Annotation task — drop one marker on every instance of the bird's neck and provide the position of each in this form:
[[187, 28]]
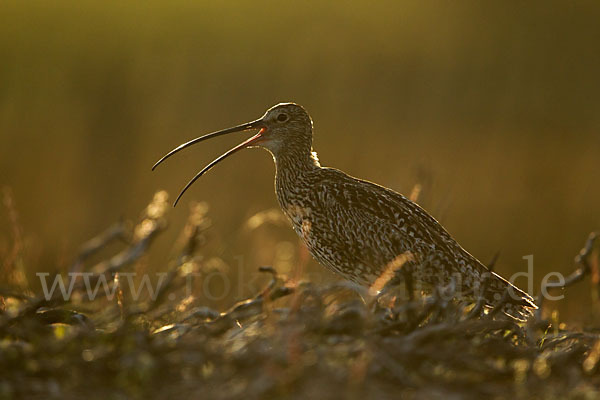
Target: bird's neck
[[292, 171]]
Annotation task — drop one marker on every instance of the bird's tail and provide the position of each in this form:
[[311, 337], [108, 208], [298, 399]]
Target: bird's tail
[[512, 301]]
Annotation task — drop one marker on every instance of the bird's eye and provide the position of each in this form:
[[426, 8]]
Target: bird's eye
[[282, 117]]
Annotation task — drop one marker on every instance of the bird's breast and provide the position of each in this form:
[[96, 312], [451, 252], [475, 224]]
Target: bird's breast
[[300, 216]]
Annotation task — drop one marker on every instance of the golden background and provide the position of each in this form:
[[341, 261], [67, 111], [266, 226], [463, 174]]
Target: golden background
[[493, 107]]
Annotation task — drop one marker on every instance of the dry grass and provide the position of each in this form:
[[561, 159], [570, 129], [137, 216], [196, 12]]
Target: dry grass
[[292, 340]]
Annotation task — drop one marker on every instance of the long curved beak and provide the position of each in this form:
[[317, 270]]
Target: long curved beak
[[257, 124]]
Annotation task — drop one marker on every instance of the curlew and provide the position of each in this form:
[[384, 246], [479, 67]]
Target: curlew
[[357, 228]]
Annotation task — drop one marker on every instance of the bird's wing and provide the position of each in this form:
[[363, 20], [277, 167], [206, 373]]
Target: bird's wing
[[384, 224], [377, 218]]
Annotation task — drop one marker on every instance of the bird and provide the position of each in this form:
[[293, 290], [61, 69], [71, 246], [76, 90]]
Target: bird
[[357, 228]]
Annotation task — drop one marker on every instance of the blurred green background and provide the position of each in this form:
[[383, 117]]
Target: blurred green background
[[494, 107]]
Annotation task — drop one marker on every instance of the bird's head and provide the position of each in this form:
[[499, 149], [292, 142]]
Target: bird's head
[[285, 126]]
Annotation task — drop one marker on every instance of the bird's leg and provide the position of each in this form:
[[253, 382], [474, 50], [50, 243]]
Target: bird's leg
[[402, 276], [408, 285]]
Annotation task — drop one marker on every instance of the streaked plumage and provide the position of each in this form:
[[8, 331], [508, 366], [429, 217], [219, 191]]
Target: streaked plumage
[[357, 228]]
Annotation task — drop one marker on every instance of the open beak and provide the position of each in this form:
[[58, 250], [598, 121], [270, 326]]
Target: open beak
[[258, 124]]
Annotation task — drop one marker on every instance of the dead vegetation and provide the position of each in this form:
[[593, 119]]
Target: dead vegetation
[[292, 340]]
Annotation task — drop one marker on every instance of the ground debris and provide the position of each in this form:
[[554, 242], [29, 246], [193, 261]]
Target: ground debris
[[292, 340]]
